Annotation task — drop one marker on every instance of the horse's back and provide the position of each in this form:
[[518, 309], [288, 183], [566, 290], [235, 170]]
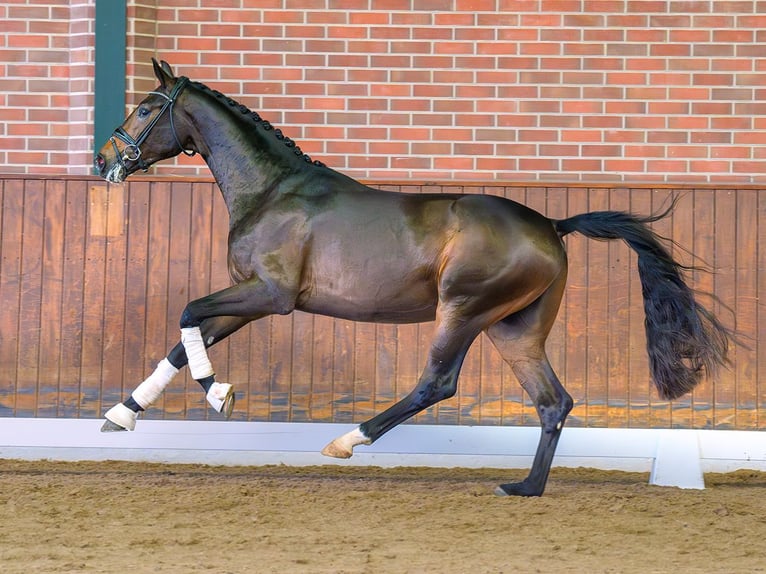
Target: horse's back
[[378, 255]]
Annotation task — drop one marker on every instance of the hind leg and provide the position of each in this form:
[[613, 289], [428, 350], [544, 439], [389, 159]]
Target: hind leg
[[520, 338], [437, 382]]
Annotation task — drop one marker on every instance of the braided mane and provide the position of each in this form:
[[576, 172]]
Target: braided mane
[[259, 121]]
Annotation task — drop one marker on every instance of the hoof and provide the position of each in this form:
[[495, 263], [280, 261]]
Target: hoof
[[109, 426], [221, 397], [119, 418], [518, 489], [335, 450]]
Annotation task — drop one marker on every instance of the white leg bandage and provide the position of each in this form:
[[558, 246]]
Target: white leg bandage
[[199, 363], [150, 390]]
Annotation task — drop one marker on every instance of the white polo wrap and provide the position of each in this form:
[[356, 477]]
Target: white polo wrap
[[199, 363], [151, 389]]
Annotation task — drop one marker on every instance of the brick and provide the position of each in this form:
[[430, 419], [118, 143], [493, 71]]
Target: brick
[[624, 136], [581, 164], [624, 165], [389, 148], [473, 149], [326, 17], [626, 78], [461, 106], [670, 79], [361, 18], [474, 120], [569, 135], [496, 163], [538, 135], [538, 164], [454, 19]]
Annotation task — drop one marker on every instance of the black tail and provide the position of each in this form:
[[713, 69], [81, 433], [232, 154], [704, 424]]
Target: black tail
[[684, 340]]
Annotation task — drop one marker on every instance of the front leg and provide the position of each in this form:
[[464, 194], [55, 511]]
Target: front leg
[[250, 299], [122, 416]]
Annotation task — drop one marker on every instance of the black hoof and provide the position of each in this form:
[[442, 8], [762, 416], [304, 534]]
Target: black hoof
[[518, 489], [109, 426]]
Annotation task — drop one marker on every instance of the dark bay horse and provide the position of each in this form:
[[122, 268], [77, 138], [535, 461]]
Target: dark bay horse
[[302, 236]]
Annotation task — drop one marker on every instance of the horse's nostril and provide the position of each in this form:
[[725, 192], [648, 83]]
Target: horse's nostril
[[100, 162]]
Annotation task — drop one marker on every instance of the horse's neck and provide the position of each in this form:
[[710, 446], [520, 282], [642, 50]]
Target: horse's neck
[[248, 162]]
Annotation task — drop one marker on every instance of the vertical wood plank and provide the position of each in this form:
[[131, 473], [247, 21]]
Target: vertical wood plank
[[200, 246], [135, 368], [11, 231], [30, 298], [322, 396], [638, 375], [157, 333], [51, 294], [94, 302], [181, 265], [576, 376], [759, 344], [682, 234], [517, 405], [598, 340], [300, 384], [114, 296], [75, 239], [281, 363], [618, 301], [365, 367], [408, 361], [725, 290], [250, 364], [386, 373], [343, 370], [746, 306], [703, 246], [556, 346], [660, 408]]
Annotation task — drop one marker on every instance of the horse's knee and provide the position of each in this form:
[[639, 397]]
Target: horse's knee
[[553, 414], [189, 317], [435, 390]]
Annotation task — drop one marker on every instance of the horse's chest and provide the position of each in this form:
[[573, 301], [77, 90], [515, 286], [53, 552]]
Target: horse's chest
[[272, 252]]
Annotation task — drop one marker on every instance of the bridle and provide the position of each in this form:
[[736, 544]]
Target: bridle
[[132, 151]]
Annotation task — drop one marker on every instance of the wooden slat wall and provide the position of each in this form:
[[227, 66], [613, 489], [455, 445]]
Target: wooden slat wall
[[93, 279]]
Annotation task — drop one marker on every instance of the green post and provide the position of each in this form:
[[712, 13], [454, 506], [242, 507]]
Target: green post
[[109, 101]]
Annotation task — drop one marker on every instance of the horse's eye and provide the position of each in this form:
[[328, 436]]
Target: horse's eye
[[143, 112]]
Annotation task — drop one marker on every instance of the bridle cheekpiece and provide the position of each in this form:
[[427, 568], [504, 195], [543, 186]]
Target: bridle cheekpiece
[[132, 151]]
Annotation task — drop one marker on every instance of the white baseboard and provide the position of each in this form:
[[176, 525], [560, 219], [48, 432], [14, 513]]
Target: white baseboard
[[673, 457]]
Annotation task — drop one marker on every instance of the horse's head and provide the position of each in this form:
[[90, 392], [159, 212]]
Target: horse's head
[[149, 134]]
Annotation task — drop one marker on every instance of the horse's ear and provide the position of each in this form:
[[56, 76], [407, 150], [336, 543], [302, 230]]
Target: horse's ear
[[163, 72]]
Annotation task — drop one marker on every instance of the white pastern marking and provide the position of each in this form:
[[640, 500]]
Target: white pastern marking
[[343, 446], [354, 438]]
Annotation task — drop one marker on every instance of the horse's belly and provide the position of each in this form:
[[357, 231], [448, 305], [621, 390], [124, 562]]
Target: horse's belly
[[373, 303]]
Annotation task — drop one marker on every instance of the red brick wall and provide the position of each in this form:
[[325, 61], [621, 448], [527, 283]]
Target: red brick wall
[[599, 90], [46, 86]]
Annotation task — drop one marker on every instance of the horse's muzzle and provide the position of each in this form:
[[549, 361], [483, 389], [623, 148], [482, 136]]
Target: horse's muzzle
[[100, 164], [114, 173]]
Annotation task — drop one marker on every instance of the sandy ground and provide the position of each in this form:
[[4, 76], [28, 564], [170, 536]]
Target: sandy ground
[[141, 518]]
